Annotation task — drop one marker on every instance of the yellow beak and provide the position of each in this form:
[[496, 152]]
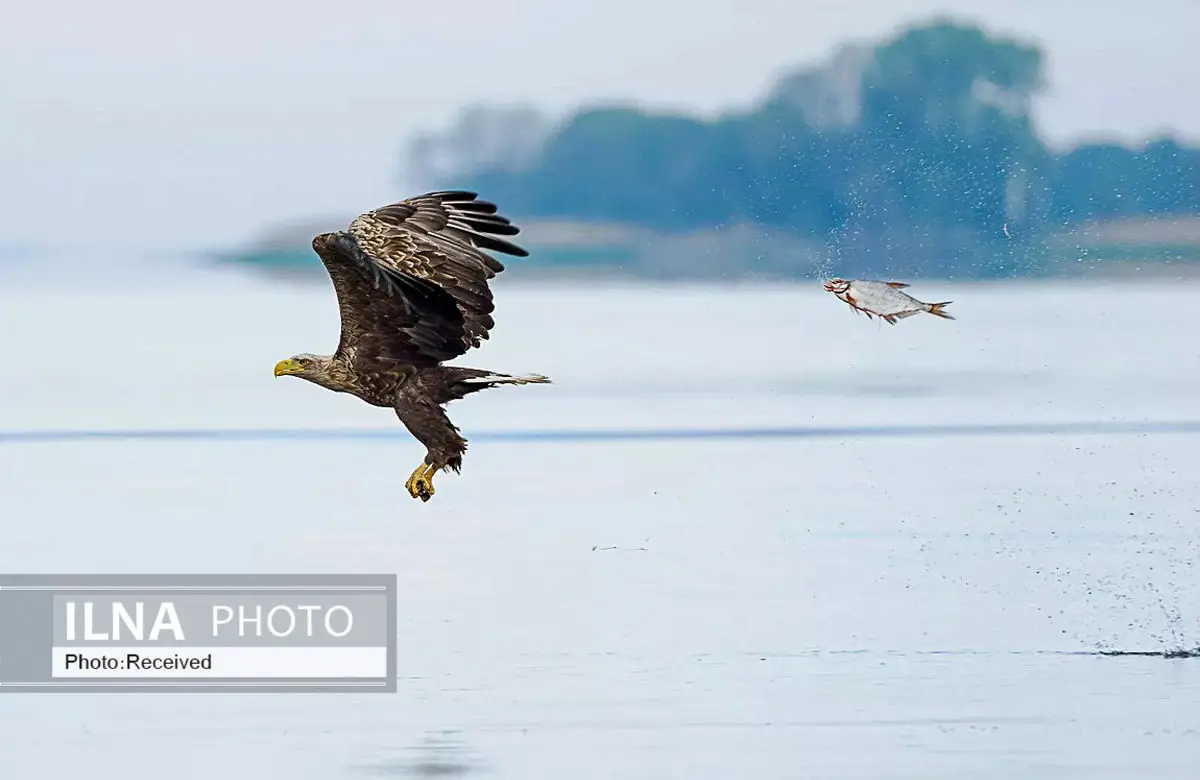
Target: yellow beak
[[285, 367]]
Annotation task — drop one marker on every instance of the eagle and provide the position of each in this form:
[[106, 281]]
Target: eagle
[[411, 281]]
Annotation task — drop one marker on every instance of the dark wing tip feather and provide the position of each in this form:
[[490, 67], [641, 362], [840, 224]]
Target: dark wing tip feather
[[499, 245], [462, 200], [474, 206], [495, 226], [478, 220], [449, 195]]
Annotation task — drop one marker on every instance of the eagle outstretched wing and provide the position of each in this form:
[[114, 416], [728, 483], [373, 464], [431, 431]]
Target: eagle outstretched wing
[[412, 280]]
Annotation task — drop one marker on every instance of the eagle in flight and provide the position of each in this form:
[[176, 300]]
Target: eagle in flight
[[411, 281]]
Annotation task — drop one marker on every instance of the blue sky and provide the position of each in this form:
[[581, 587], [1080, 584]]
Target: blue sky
[[179, 125]]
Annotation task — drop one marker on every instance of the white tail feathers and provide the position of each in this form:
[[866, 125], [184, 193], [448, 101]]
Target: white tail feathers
[[505, 379]]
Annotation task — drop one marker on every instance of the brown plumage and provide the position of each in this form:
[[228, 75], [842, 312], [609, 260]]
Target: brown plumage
[[412, 289]]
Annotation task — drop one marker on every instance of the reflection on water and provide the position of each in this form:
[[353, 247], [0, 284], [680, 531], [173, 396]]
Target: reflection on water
[[441, 755]]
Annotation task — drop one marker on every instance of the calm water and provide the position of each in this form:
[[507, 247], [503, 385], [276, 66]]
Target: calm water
[[869, 605]]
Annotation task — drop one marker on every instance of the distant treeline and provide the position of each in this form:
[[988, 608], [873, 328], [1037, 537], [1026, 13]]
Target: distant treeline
[[923, 143]]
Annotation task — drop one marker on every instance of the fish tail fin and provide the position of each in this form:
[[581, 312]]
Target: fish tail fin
[[937, 310]]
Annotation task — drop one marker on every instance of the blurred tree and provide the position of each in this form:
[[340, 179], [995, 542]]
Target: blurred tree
[[1106, 180], [501, 138], [924, 142]]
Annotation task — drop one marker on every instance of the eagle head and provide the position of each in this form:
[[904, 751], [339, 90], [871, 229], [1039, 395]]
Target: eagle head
[[305, 366]]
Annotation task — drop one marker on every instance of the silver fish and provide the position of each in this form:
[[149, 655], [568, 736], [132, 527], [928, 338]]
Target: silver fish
[[882, 299]]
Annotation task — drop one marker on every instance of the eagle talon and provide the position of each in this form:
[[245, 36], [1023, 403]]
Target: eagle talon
[[420, 483]]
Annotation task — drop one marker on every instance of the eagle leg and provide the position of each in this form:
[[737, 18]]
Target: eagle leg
[[420, 483], [421, 413]]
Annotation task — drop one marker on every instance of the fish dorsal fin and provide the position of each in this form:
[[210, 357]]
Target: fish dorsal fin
[[897, 285]]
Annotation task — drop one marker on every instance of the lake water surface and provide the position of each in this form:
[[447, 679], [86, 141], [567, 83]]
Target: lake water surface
[[922, 595]]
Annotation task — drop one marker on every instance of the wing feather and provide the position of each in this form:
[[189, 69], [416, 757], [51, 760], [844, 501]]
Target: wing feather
[[412, 277]]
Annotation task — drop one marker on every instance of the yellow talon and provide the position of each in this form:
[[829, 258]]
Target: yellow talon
[[420, 483]]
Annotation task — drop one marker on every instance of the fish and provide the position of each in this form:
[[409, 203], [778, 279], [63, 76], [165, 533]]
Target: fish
[[882, 299]]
